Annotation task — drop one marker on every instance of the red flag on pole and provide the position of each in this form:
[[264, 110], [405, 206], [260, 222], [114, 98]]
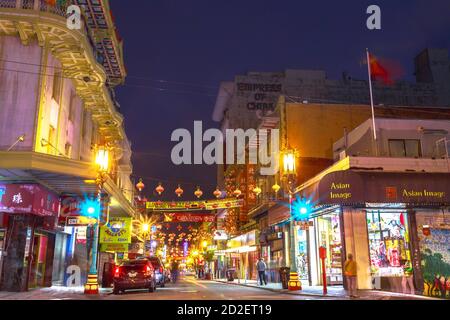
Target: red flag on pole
[[378, 71]]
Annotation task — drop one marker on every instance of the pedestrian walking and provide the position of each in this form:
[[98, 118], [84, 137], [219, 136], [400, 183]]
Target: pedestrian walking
[[407, 279], [261, 267], [174, 270], [351, 274]]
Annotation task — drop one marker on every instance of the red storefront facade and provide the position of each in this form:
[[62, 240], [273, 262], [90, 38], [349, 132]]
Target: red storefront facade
[[28, 218]]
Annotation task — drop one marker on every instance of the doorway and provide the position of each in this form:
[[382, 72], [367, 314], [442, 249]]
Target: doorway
[[39, 256]]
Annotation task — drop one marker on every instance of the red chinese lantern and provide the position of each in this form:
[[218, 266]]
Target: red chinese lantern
[[159, 189], [179, 192], [237, 192], [217, 193], [198, 193], [140, 185]]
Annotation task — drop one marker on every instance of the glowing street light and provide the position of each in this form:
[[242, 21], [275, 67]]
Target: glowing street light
[[289, 159], [102, 159], [145, 227]]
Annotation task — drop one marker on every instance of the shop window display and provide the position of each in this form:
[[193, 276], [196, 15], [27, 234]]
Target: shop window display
[[433, 230], [330, 237], [388, 243], [302, 254]]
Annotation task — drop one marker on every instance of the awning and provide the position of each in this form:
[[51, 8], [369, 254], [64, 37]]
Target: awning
[[60, 175], [278, 214], [357, 187]]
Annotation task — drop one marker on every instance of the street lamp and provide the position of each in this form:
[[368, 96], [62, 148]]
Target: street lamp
[[145, 227], [289, 162], [102, 163], [290, 174]]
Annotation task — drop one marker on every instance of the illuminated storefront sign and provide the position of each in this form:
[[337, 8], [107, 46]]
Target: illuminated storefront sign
[[350, 187], [188, 217], [275, 236], [28, 198], [81, 235], [114, 247], [194, 205], [79, 221], [245, 240], [220, 235], [118, 230]]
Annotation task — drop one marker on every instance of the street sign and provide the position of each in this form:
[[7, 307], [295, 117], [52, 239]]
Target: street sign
[[194, 205], [79, 221], [304, 225]]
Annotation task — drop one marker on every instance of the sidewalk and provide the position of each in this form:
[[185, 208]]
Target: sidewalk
[[53, 293], [336, 292]]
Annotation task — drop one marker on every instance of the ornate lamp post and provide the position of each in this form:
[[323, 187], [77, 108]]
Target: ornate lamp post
[[145, 228], [102, 162], [290, 176]]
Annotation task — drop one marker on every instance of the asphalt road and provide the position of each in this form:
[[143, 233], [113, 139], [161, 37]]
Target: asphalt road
[[189, 288]]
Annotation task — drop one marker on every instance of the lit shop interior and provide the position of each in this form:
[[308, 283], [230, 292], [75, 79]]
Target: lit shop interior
[[325, 231], [389, 245]]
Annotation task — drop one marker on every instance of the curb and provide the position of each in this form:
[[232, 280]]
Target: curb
[[282, 291], [285, 291]]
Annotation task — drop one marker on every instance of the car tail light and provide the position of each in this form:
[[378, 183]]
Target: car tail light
[[116, 272], [148, 270]]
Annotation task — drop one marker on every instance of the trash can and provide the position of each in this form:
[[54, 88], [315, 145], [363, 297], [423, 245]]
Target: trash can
[[284, 276], [230, 274]]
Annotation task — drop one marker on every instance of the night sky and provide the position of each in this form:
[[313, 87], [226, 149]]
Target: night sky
[[178, 51]]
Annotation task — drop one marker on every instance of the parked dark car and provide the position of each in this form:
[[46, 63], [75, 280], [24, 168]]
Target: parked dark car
[[160, 273], [134, 274]]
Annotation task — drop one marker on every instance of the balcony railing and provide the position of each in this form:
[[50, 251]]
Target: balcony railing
[[60, 9]]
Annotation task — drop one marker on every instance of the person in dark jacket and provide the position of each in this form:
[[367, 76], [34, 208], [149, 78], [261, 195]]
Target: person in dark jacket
[[261, 268]]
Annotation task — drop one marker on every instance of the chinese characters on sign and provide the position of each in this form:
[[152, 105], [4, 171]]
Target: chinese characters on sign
[[28, 198]]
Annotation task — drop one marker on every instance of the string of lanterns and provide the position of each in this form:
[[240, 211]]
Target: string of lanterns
[[199, 193]]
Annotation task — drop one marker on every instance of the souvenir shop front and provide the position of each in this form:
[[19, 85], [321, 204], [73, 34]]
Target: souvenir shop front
[[276, 252], [28, 217], [395, 224], [241, 255]]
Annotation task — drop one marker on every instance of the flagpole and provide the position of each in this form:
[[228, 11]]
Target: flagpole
[[371, 101]]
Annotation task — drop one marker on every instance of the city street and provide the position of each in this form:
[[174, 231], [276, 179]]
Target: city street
[[189, 288], [251, 150]]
